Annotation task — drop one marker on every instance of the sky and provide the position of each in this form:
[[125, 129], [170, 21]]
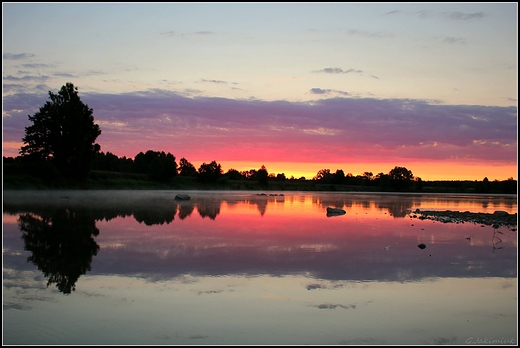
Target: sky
[[296, 87]]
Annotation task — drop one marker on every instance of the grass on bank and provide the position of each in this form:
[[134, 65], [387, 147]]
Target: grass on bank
[[105, 180]]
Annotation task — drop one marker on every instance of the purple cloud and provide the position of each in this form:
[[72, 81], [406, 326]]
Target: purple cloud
[[338, 71], [19, 56], [327, 91], [339, 129]]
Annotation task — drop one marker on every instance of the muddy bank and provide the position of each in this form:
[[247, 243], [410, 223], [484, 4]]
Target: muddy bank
[[497, 219]]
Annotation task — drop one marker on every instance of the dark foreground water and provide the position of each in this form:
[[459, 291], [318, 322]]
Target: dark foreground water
[[224, 268]]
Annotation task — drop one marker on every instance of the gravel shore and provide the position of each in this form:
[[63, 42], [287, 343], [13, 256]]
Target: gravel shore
[[497, 219]]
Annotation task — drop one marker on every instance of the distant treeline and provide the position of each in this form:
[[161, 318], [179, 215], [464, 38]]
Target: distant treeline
[[162, 168], [60, 151]]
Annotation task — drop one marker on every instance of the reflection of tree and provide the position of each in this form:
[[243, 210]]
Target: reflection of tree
[[154, 216], [185, 210], [211, 210], [62, 245], [262, 207], [398, 209], [262, 203], [496, 240]]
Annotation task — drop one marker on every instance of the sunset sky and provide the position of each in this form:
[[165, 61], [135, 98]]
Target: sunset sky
[[297, 87]]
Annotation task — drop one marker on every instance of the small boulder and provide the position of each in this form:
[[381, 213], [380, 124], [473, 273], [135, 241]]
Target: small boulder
[[182, 197], [335, 211], [422, 246]]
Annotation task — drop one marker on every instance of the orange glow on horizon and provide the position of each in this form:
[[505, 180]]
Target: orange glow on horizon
[[427, 171], [11, 148]]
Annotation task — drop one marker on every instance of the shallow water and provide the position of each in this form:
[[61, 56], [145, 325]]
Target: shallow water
[[138, 267]]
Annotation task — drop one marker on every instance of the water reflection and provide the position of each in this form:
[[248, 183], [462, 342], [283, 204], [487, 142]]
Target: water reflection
[[289, 234], [61, 245], [159, 207], [239, 268]]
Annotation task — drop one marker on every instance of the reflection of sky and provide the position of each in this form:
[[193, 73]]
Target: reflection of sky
[[265, 310], [250, 234], [267, 270]]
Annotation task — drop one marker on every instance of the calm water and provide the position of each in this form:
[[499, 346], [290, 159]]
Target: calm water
[[138, 267]]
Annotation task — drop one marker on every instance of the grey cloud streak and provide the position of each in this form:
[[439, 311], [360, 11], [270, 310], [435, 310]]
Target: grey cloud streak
[[452, 15], [339, 126], [338, 71], [18, 56], [460, 16], [327, 91]]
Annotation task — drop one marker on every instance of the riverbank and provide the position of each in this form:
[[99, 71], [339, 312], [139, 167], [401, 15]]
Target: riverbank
[[105, 180]]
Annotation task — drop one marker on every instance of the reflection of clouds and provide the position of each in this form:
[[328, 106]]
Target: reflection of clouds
[[23, 279], [444, 340], [334, 306], [112, 245], [18, 306], [89, 293], [210, 292], [319, 248], [197, 337], [21, 289], [187, 279], [363, 340], [7, 252], [314, 286], [282, 243]]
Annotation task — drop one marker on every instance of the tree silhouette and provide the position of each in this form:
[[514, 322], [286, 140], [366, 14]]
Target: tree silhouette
[[209, 172], [158, 165], [233, 174], [418, 183], [338, 177], [110, 162], [281, 177], [186, 168], [401, 178], [63, 133], [323, 174], [62, 245], [262, 175]]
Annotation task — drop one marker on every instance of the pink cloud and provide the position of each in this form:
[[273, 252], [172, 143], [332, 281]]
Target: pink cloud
[[339, 130]]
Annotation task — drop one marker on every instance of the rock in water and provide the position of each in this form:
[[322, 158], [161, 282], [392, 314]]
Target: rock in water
[[335, 211], [422, 246], [182, 197]]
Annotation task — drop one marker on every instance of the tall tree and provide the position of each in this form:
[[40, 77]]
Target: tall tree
[[323, 174], [401, 177], [261, 175], [186, 168], [63, 133], [209, 172], [158, 165]]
